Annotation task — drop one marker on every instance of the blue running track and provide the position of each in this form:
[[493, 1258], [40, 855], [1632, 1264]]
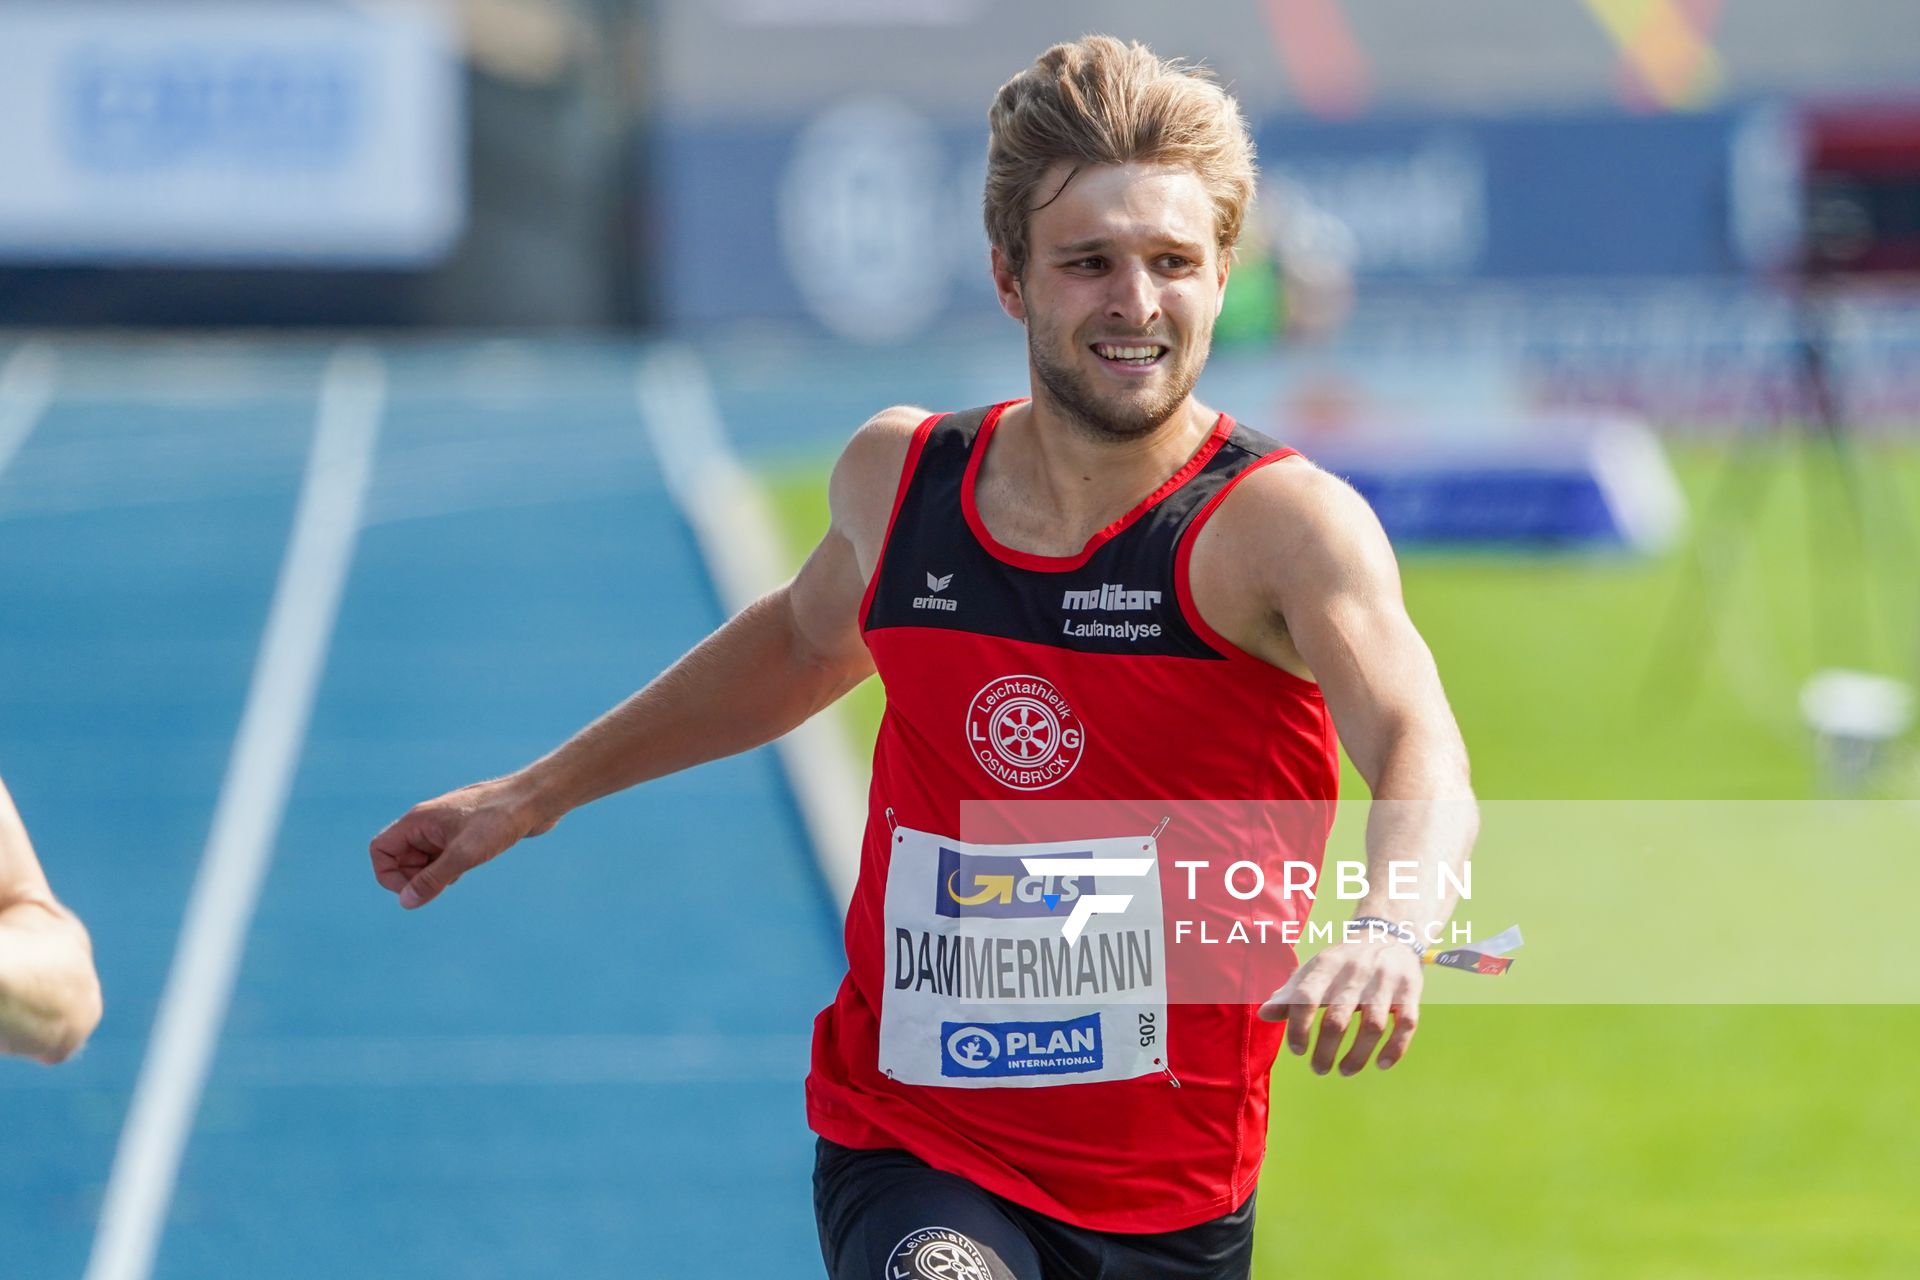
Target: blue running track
[[586, 1059]]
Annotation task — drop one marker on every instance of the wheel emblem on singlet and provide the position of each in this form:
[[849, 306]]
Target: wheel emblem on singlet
[[937, 1253], [1023, 733]]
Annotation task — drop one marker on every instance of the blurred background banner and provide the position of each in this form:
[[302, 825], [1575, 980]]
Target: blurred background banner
[[865, 215], [230, 133]]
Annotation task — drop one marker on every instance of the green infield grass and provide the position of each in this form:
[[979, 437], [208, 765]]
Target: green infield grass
[[1723, 1140]]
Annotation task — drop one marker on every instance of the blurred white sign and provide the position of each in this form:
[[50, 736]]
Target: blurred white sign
[[1422, 211], [863, 206], [230, 133]]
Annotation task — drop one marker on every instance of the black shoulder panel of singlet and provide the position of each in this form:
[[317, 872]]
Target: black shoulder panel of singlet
[[935, 573]]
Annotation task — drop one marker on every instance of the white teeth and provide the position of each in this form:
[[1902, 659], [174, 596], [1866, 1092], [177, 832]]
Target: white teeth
[[1129, 353]]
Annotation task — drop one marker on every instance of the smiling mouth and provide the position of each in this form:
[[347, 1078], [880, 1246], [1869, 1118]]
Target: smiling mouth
[[1137, 356]]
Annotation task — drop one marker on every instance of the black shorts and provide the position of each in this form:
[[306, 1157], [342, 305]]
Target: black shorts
[[886, 1215]]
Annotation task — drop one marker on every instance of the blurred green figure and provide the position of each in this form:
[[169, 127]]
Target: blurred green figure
[[1293, 273]]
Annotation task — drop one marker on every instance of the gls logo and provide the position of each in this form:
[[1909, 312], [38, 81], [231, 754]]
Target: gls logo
[[972, 886], [936, 600]]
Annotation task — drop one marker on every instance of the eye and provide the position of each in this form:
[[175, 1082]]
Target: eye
[[1087, 264]]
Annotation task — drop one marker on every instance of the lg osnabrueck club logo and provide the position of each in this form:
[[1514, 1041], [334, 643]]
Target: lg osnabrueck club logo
[[1022, 732]]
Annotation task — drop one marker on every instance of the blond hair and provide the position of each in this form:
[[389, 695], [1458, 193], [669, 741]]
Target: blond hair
[[1098, 101]]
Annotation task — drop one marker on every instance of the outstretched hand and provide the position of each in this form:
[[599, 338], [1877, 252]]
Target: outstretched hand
[[1380, 981], [437, 841]]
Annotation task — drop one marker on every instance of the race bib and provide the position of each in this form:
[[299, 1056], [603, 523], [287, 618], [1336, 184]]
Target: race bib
[[1003, 976]]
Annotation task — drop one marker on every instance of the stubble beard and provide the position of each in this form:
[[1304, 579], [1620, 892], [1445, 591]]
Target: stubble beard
[[1114, 419]]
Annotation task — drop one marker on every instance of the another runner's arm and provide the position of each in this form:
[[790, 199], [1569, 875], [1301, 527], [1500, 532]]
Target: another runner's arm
[[777, 662], [49, 993]]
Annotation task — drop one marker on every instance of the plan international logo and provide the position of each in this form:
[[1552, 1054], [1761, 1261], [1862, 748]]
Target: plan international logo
[[1021, 1048]]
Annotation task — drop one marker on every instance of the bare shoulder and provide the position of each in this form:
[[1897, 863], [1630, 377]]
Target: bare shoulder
[[1294, 497], [868, 473], [878, 448], [1288, 540], [1294, 518]]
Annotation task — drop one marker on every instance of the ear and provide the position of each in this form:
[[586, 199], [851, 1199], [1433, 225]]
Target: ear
[[1220, 295], [1006, 283]]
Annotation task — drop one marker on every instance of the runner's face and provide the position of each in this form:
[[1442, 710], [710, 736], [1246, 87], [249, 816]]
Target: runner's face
[[1121, 262]]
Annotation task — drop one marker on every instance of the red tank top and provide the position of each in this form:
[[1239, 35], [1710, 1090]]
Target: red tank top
[[1091, 677]]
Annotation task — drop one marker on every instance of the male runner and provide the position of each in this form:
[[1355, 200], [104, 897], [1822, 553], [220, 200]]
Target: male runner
[[49, 994], [1106, 592]]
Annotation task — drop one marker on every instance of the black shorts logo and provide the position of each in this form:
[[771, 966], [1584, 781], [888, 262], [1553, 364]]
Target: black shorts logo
[[935, 1253]]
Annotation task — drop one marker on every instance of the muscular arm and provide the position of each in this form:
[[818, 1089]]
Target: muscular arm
[[49, 994], [1302, 576], [776, 663], [1338, 590]]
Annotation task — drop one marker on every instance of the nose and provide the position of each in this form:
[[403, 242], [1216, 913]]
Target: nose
[[1135, 298]]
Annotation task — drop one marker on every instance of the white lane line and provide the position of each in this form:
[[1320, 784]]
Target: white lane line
[[738, 540], [246, 820], [26, 389]]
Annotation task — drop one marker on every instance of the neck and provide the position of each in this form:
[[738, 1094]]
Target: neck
[[1085, 478]]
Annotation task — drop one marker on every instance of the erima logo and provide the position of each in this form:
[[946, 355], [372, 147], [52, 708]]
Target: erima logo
[[1021, 1048], [937, 601], [1111, 597]]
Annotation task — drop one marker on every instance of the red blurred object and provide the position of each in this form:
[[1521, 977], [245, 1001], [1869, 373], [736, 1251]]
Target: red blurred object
[[1862, 193]]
